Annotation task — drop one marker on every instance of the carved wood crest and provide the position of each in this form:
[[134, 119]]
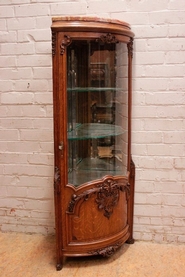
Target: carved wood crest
[[108, 38], [107, 194]]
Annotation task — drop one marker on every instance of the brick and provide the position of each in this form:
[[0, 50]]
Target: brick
[[176, 212], [147, 210], [22, 146], [174, 5], [39, 135], [35, 60], [6, 85], [152, 84], [7, 61], [42, 159], [46, 123], [31, 85], [167, 17], [2, 24], [7, 134], [44, 182], [68, 8], [148, 6], [150, 137], [169, 187], [39, 193], [163, 71], [158, 162], [166, 44], [175, 57], [166, 98], [31, 10], [145, 186], [36, 110], [13, 157], [159, 175], [46, 96], [34, 35], [21, 23], [8, 36], [11, 2], [134, 18], [173, 137], [140, 198], [17, 98], [46, 147], [43, 47], [172, 199], [179, 163], [43, 21], [169, 111], [146, 236], [28, 170], [6, 12], [17, 49], [15, 73], [151, 31], [149, 58], [42, 72], [163, 124], [20, 192]]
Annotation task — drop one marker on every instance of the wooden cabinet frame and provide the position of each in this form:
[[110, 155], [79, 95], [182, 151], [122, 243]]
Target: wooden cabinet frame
[[77, 207]]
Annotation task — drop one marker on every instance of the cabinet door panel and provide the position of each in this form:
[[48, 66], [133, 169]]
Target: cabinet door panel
[[91, 223]]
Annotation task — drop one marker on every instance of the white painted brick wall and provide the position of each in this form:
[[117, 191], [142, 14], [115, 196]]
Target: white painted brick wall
[[26, 139]]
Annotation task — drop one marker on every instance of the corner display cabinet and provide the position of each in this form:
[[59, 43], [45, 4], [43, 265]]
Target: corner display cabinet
[[94, 172]]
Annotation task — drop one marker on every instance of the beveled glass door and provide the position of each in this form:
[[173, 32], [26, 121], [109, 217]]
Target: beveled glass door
[[97, 112]]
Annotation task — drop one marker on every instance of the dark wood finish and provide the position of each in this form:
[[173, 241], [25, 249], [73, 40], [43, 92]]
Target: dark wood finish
[[95, 217]]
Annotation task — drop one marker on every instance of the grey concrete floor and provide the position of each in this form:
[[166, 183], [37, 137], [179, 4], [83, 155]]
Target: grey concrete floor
[[23, 255]]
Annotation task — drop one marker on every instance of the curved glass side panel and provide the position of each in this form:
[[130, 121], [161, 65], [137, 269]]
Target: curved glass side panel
[[97, 98]]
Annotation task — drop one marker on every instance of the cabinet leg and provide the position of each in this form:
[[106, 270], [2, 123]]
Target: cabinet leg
[[59, 266], [130, 240], [131, 202]]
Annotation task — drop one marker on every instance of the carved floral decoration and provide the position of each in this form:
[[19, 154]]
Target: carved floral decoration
[[107, 196]]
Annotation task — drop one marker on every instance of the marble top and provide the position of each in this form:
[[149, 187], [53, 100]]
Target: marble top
[[89, 19]]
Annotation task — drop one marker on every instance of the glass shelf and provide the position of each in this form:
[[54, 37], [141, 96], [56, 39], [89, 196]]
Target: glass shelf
[[94, 131], [93, 89]]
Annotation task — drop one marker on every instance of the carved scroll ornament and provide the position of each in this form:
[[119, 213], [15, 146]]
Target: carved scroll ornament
[[107, 251], [107, 196], [130, 48], [65, 42], [57, 180], [53, 43]]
